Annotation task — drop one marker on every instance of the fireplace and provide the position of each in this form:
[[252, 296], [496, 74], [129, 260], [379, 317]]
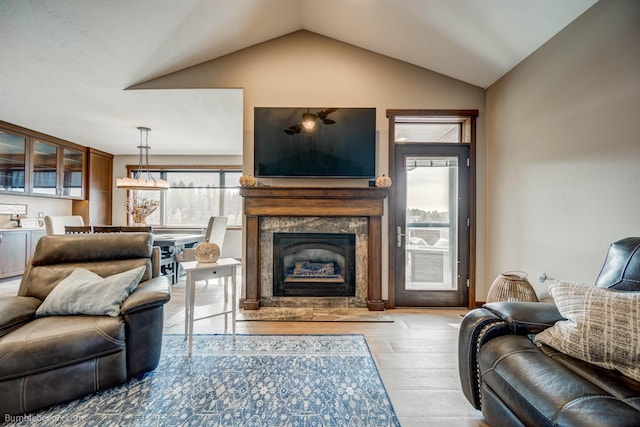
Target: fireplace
[[270, 210], [314, 264]]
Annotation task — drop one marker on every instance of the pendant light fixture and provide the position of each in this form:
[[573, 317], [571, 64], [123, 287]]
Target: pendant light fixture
[[142, 179]]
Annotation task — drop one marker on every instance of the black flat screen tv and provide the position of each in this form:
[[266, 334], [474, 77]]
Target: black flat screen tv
[[342, 143]]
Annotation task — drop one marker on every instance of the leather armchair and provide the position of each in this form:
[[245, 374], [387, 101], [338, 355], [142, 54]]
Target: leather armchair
[[51, 359], [541, 386]]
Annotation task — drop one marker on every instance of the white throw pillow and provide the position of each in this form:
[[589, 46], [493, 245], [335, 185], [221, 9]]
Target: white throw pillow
[[85, 292], [542, 290], [602, 326]]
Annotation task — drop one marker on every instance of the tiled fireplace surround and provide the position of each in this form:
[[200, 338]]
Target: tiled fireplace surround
[[270, 210]]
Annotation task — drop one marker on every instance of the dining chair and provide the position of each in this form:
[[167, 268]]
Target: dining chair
[[136, 229], [216, 230], [107, 229], [55, 224], [77, 229]]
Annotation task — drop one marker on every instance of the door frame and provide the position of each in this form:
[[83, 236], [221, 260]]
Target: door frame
[[469, 137]]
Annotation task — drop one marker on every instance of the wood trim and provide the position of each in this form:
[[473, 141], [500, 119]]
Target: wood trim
[[311, 207], [297, 201], [316, 192], [96, 152], [185, 167], [391, 235], [374, 300], [252, 266], [440, 113], [472, 214]]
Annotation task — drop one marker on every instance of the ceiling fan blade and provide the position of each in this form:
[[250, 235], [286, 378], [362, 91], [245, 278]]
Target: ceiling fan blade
[[328, 121], [324, 113]]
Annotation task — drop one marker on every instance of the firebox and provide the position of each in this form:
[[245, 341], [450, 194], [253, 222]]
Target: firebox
[[314, 264]]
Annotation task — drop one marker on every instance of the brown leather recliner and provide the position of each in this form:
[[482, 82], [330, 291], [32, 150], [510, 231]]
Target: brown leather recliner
[[51, 359], [516, 383]]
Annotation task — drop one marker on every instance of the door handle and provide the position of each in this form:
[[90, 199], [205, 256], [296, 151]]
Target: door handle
[[399, 236]]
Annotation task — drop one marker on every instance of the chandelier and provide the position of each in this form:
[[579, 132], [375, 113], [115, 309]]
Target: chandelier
[[142, 179]]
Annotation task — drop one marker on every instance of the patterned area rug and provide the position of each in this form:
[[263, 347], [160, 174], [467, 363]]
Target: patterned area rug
[[260, 380]]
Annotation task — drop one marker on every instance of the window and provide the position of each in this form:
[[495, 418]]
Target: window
[[417, 129], [194, 196]]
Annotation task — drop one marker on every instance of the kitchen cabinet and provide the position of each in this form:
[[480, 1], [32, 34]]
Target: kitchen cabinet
[[17, 246], [34, 164], [35, 236], [96, 208], [57, 170], [13, 162], [14, 252]]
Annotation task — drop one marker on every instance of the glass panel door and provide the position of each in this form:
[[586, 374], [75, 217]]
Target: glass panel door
[[432, 236], [72, 173], [45, 168], [12, 162], [432, 215]]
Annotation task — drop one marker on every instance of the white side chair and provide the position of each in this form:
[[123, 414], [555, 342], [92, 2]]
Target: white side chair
[[56, 224], [216, 229]]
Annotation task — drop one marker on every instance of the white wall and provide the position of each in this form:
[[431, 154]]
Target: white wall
[[49, 206], [306, 69], [563, 149]]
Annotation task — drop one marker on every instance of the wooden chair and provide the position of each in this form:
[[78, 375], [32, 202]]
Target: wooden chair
[[107, 229], [137, 229], [122, 229], [77, 229]]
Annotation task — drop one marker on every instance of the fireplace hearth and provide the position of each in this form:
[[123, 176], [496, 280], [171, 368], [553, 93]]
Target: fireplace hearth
[[314, 264]]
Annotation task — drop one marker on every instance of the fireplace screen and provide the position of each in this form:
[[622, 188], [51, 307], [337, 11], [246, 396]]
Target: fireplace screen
[[313, 264]]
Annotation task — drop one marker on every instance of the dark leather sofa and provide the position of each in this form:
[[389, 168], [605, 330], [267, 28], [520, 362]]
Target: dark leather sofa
[[516, 383], [51, 359]]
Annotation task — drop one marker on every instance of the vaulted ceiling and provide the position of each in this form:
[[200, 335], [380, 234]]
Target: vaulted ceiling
[[65, 64]]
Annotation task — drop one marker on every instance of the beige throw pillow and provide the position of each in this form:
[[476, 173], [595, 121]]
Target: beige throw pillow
[[84, 292], [602, 326]]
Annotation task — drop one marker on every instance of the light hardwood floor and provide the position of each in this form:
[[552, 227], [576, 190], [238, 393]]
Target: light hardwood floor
[[416, 354]]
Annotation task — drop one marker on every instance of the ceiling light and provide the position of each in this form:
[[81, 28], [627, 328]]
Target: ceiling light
[[142, 179], [308, 121]]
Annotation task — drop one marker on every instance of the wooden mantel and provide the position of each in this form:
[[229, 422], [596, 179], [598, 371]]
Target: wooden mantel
[[313, 201]]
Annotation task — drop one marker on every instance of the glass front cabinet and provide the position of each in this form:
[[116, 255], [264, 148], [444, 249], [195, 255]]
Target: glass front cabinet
[[72, 177], [13, 162], [57, 170], [35, 166], [44, 164]]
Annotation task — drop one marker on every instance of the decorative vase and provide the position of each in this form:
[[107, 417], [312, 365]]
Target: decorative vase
[[383, 181], [247, 181], [207, 252], [511, 286], [139, 219]]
